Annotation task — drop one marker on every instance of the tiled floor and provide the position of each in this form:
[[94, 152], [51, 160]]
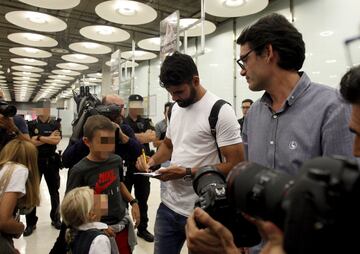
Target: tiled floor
[[43, 238]]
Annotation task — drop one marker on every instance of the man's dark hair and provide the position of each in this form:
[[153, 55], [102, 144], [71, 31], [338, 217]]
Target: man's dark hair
[[95, 123], [248, 100], [177, 69], [350, 85], [276, 30]]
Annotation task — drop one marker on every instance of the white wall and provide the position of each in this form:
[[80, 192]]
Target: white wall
[[216, 67]]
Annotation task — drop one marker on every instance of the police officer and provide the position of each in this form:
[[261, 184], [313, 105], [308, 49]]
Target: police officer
[[45, 134], [144, 132]]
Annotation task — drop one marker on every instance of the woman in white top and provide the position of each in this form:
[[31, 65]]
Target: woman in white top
[[81, 210], [19, 184]]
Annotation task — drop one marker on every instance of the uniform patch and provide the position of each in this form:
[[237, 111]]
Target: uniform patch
[[292, 145]]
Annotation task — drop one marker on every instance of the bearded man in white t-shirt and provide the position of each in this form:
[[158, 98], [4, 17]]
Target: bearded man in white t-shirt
[[190, 145]]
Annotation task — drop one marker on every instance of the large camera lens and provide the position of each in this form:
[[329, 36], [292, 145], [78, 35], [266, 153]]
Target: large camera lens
[[207, 176], [258, 191], [210, 185]]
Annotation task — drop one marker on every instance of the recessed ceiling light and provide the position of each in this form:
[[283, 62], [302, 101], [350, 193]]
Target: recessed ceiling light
[[90, 45], [326, 33], [31, 50], [37, 18], [333, 76], [316, 72], [234, 3], [80, 56], [104, 30], [126, 8]]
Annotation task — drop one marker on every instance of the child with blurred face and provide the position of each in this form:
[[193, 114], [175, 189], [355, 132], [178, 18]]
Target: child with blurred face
[[82, 210]]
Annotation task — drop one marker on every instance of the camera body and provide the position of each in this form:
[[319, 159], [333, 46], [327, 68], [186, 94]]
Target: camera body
[[88, 105], [318, 210], [210, 185], [7, 110]]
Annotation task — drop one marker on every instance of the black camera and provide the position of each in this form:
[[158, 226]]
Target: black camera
[[210, 185], [318, 210], [89, 105], [7, 110]]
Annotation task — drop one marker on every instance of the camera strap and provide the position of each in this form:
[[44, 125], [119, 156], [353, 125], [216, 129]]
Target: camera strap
[[213, 118]]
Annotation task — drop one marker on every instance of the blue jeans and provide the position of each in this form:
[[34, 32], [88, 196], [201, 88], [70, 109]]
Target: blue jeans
[[169, 231]]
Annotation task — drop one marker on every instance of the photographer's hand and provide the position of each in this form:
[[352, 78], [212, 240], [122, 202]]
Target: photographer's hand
[[273, 235], [215, 238]]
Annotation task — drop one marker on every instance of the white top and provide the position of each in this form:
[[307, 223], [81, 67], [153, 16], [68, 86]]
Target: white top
[[18, 178], [101, 244], [194, 146]]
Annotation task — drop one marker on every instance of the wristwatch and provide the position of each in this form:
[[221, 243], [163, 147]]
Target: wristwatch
[[133, 201], [188, 176]]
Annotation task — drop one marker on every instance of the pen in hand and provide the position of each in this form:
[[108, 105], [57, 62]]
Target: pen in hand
[[144, 155]]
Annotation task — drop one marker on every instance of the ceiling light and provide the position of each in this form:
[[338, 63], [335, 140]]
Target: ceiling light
[[80, 56], [30, 60], [90, 45], [104, 30], [26, 73], [34, 37], [31, 50], [155, 41], [126, 8], [234, 3], [27, 67], [38, 18]]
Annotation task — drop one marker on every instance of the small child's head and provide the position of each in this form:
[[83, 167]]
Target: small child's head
[[99, 134], [81, 205]]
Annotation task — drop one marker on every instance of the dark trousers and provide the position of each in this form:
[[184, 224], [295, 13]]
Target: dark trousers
[[142, 190], [50, 169]]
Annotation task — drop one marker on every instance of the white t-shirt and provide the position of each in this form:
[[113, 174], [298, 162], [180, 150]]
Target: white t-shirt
[[101, 243], [194, 146], [18, 178]]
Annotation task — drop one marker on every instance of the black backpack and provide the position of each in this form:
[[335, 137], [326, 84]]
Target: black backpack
[[213, 118]]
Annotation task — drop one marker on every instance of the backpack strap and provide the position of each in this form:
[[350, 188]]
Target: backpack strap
[[213, 118]]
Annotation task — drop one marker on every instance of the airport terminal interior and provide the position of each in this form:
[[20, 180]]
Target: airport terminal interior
[[55, 50]]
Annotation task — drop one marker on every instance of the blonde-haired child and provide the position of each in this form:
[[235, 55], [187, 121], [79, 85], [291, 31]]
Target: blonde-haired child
[[81, 210]]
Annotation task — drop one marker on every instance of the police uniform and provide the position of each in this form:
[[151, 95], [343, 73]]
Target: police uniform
[[48, 164], [140, 183]]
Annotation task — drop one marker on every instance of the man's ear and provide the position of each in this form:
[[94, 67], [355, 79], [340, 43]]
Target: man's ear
[[86, 141], [196, 80], [270, 53]]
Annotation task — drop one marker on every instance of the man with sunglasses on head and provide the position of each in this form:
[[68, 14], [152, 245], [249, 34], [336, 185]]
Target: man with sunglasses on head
[[296, 119]]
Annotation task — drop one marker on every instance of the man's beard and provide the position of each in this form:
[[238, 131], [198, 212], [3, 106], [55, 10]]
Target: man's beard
[[191, 100]]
